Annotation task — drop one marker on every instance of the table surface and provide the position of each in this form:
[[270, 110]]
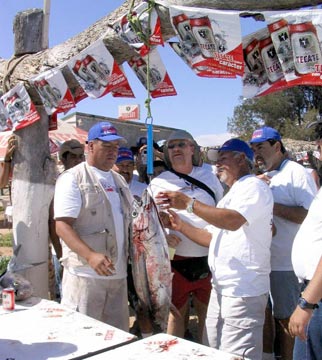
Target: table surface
[[164, 347], [40, 329]]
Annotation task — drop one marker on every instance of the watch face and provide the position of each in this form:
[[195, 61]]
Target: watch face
[[303, 304]]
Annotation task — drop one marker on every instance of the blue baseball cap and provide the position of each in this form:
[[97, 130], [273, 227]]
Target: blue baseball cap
[[239, 146], [124, 154], [265, 133], [104, 131]]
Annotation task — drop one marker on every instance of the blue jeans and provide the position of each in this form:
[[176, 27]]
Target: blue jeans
[[311, 349], [58, 277]]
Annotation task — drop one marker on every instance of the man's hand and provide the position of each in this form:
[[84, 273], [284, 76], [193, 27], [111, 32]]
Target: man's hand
[[172, 199], [101, 264], [11, 146], [173, 240], [265, 178], [176, 222], [299, 321]]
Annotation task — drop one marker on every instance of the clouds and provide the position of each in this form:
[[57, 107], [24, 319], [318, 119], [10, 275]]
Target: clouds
[[212, 140]]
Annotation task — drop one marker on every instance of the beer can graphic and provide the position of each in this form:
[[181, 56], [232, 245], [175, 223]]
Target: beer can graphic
[[95, 71], [51, 95], [254, 61], [281, 39], [270, 59], [306, 47], [202, 31]]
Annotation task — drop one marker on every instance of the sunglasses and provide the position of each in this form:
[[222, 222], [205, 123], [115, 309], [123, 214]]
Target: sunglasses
[[180, 145]]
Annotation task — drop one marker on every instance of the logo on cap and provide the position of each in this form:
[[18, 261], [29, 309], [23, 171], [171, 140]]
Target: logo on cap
[[257, 134], [108, 130]]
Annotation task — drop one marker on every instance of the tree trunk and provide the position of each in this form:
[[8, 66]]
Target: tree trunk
[[32, 191]]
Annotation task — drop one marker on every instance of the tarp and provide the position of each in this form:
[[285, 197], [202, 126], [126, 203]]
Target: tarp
[[63, 133]]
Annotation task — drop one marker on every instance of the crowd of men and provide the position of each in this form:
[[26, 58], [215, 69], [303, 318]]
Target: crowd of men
[[247, 247]]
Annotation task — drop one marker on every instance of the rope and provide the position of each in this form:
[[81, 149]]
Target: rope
[[11, 65], [135, 23]]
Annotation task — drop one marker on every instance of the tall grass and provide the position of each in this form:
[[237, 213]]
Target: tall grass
[[3, 263], [6, 240]]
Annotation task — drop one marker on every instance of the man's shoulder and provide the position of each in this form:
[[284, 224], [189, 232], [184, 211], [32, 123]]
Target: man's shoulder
[[165, 175], [293, 166]]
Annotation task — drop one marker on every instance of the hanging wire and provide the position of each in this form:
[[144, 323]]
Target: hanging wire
[[135, 23]]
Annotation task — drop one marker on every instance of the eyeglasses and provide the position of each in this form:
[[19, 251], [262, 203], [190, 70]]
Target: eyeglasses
[[180, 145]]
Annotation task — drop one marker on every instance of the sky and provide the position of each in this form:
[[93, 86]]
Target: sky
[[201, 106]]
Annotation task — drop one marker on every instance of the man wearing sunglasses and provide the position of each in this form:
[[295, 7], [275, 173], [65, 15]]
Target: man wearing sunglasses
[[182, 156]]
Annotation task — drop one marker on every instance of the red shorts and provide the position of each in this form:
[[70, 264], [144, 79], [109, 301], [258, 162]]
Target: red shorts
[[182, 288]]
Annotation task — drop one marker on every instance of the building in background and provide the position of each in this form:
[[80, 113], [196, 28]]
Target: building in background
[[133, 131]]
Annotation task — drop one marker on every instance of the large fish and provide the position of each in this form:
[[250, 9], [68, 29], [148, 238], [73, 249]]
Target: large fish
[[150, 261]]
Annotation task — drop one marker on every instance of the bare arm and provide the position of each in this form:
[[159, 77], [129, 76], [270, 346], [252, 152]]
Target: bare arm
[[52, 231], [223, 218], [295, 214], [5, 173], [6, 165], [99, 262], [312, 294]]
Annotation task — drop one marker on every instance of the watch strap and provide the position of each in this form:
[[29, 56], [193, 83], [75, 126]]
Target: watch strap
[[189, 207], [303, 304]]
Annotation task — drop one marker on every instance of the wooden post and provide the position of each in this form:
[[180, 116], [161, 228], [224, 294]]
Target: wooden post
[[32, 191], [27, 28], [33, 172]]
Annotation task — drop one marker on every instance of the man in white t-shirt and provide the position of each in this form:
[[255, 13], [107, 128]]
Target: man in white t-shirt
[[293, 192], [306, 320], [92, 208], [239, 240]]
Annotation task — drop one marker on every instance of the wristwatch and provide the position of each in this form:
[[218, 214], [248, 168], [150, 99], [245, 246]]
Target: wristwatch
[[303, 304], [189, 208]]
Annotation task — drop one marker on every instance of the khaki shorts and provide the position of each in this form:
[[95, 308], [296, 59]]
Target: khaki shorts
[[101, 299], [235, 324]]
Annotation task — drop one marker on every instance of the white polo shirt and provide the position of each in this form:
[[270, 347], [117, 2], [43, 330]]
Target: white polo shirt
[[240, 260]]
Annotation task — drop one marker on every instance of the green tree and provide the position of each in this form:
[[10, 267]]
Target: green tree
[[289, 111]]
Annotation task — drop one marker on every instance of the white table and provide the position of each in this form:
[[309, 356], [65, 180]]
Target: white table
[[40, 329], [164, 347]]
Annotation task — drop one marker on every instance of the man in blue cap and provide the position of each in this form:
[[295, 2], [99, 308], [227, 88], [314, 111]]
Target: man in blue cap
[[293, 192], [92, 209], [124, 165], [239, 240]]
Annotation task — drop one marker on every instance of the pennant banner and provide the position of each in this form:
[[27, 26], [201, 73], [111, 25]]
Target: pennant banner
[[21, 110], [96, 71], [54, 92], [160, 82]]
